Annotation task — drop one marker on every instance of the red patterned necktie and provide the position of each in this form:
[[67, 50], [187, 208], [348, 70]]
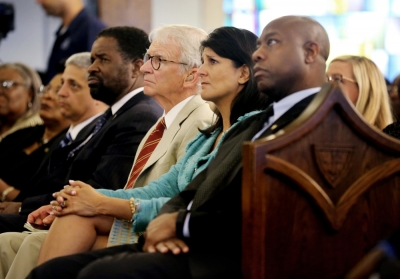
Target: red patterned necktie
[[147, 149]]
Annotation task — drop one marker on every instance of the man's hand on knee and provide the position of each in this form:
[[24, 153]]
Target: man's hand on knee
[[10, 207], [42, 216]]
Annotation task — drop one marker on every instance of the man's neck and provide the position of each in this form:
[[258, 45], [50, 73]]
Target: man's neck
[[170, 102], [139, 83], [70, 14]]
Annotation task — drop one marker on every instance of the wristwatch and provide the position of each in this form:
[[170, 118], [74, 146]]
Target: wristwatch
[[5, 193]]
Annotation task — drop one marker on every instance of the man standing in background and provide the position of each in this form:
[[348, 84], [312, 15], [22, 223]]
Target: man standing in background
[[77, 32]]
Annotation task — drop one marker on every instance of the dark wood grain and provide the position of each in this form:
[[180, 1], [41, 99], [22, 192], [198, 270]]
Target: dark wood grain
[[318, 195]]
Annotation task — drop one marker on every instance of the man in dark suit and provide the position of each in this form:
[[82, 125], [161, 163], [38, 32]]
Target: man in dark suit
[[76, 105], [104, 159], [198, 232]]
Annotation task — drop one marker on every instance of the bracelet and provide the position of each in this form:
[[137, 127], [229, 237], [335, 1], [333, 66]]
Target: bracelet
[[135, 207], [5, 193]]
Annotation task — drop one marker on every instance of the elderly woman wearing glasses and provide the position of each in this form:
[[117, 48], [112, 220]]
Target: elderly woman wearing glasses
[[23, 151], [19, 104], [365, 86]]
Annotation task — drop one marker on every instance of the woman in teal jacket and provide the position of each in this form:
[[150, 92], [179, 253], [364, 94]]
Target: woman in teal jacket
[[226, 80]]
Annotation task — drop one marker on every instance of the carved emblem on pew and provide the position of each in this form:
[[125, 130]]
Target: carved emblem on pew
[[333, 162]]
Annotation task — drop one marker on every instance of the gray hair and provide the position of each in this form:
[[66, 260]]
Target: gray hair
[[81, 60], [32, 82], [188, 39]]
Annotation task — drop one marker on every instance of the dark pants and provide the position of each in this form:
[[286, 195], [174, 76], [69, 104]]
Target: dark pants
[[12, 223], [125, 261]]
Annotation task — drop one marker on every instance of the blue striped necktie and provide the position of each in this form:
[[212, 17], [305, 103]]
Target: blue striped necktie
[[66, 141], [99, 124]]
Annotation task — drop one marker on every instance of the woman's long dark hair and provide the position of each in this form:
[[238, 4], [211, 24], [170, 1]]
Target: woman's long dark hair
[[238, 46]]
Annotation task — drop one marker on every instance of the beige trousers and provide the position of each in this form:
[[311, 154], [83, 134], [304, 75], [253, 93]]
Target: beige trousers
[[19, 253]]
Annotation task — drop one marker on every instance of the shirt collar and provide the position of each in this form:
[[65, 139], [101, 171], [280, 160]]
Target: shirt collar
[[74, 131], [115, 107], [173, 113], [286, 103]]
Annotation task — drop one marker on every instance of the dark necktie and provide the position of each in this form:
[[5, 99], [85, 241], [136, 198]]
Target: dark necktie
[[66, 141], [146, 151], [102, 120], [269, 111], [99, 124]]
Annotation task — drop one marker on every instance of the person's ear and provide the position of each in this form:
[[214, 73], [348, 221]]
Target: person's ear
[[192, 76], [189, 77], [311, 52], [244, 74], [136, 64]]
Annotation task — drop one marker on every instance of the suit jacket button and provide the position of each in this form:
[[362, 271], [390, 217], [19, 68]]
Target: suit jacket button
[[273, 127]]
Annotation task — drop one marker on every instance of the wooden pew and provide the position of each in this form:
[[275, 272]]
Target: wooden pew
[[318, 195]]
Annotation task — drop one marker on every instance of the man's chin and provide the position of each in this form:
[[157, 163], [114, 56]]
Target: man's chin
[[269, 91], [102, 95]]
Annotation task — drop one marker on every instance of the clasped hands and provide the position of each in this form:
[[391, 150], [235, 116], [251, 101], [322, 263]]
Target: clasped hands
[[81, 199], [161, 235], [77, 198]]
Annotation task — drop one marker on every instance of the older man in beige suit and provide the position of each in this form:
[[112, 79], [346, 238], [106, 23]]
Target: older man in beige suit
[[170, 76], [175, 86]]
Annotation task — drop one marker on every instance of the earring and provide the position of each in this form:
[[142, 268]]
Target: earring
[[30, 105]]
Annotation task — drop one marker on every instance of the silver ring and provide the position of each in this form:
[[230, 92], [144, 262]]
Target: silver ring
[[62, 204], [54, 207]]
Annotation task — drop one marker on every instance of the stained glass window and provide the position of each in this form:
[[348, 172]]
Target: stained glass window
[[361, 27]]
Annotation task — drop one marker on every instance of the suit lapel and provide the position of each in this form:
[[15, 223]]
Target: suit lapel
[[54, 146], [59, 155], [131, 102], [171, 132], [227, 163], [288, 116], [86, 131]]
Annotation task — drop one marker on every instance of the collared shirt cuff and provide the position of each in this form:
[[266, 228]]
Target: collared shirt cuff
[[180, 223]]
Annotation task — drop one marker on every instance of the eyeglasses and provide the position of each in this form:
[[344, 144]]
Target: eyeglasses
[[156, 61], [46, 89], [7, 84], [42, 89], [340, 78]]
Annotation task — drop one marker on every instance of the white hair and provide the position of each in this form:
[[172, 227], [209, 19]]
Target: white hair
[[81, 60], [188, 38]]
